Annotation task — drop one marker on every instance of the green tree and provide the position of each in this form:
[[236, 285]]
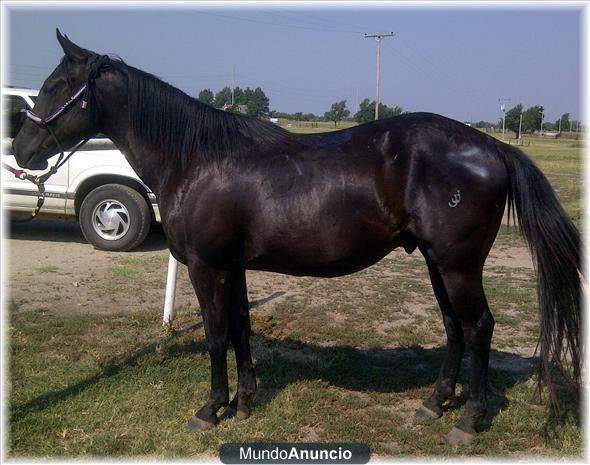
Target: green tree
[[222, 97], [257, 102], [484, 124], [565, 122], [366, 111], [207, 96], [337, 112], [389, 112], [512, 118], [240, 96], [531, 119]]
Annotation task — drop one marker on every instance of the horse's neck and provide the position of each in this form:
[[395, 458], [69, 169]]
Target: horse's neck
[[146, 161]]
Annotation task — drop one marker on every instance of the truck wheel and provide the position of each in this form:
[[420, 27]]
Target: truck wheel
[[114, 217]]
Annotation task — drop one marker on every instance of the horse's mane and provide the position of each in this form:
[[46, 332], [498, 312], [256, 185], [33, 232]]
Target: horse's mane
[[181, 127]]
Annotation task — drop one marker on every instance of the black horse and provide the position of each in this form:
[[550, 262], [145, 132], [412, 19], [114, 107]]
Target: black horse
[[238, 193]]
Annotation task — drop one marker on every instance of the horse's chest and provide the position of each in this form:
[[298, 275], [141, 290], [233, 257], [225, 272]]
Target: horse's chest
[[202, 229]]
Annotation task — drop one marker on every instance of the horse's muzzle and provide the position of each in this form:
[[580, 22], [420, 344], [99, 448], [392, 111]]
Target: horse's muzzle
[[37, 162]]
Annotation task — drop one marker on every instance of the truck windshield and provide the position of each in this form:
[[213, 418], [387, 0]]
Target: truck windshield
[[13, 107]]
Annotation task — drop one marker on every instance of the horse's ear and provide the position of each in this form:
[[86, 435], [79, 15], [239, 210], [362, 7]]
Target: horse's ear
[[70, 48]]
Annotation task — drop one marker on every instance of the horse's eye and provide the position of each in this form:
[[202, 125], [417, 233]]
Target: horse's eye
[[51, 87]]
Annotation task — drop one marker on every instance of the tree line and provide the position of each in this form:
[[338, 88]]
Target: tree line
[[531, 120], [256, 103], [366, 113]]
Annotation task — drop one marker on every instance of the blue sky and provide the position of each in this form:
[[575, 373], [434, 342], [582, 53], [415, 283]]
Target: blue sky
[[455, 62]]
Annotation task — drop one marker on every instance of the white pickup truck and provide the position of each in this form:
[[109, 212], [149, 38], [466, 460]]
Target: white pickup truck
[[96, 185]]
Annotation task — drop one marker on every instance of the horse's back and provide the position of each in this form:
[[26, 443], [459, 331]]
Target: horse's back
[[335, 203]]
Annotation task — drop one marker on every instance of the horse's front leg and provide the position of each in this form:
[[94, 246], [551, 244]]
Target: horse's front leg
[[214, 291]]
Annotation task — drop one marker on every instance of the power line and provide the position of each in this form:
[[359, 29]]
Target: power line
[[270, 23], [436, 68], [425, 73], [378, 37], [263, 81], [317, 18]]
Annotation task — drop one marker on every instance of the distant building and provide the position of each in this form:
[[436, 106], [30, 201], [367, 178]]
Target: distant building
[[241, 108], [274, 120]]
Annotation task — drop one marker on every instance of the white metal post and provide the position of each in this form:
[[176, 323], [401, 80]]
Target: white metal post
[[169, 309]]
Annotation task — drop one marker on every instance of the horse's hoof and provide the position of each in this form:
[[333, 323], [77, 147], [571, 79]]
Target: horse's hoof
[[198, 424], [243, 413], [239, 414], [425, 416], [458, 437]]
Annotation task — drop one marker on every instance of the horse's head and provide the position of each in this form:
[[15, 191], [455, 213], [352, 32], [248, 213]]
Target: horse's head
[[50, 125]]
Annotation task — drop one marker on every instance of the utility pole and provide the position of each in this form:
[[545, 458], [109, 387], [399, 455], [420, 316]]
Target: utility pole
[[378, 38], [520, 130], [503, 102]]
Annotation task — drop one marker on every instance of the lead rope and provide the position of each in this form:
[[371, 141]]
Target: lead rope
[[40, 181]]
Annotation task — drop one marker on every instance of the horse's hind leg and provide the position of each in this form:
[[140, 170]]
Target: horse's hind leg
[[444, 390], [469, 301], [214, 291], [239, 330], [464, 289]]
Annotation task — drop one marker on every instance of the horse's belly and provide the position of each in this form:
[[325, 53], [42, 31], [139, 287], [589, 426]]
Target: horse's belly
[[341, 267], [324, 252]]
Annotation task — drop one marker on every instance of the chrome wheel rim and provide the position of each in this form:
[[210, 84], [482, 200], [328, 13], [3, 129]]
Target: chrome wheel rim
[[110, 220]]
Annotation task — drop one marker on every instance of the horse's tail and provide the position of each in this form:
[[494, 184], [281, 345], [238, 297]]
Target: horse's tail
[[555, 247]]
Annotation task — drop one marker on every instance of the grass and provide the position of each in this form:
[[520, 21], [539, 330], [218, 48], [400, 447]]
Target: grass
[[118, 385], [46, 269], [307, 127], [562, 161], [343, 359]]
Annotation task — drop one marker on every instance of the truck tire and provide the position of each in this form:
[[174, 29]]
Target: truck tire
[[114, 217]]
